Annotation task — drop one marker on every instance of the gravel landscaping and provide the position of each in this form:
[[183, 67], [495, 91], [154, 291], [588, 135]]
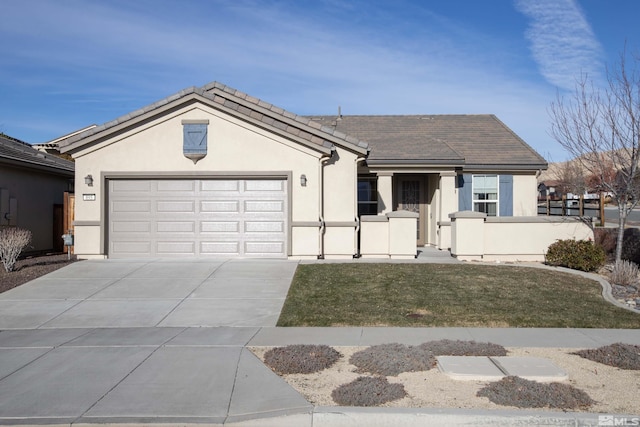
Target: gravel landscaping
[[31, 268]]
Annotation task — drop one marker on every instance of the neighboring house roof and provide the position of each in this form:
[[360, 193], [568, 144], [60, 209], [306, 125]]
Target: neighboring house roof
[[17, 153], [235, 103], [54, 144], [472, 141]]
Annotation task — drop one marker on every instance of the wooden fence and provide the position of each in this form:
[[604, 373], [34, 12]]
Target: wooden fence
[[573, 207]]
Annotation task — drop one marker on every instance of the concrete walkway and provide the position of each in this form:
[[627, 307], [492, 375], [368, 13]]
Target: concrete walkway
[[165, 342]]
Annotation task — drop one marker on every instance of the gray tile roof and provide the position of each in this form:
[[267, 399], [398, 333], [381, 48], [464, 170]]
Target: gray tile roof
[[20, 153], [240, 104], [477, 141], [472, 141]]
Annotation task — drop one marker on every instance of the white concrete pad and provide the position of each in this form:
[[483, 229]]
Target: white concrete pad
[[30, 314], [471, 368], [66, 382], [276, 336], [56, 289], [12, 359], [157, 288], [531, 368], [114, 313], [249, 398], [174, 382], [110, 337], [26, 338], [175, 270], [411, 336], [253, 287], [223, 335], [225, 312], [99, 269]]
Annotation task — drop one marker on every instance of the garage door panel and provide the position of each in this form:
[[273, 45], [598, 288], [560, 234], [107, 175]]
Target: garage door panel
[[263, 248], [220, 248], [197, 217], [178, 206], [220, 226], [176, 226], [131, 186], [177, 186], [131, 226], [264, 206], [230, 206], [176, 248], [131, 206], [220, 185], [132, 248], [264, 226], [263, 185]]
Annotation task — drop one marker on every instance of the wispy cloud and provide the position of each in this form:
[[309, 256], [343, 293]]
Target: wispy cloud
[[562, 41]]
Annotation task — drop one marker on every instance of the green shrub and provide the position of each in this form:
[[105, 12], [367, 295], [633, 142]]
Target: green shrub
[[576, 254]]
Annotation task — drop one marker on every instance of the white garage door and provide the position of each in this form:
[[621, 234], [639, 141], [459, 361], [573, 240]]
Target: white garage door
[[197, 217]]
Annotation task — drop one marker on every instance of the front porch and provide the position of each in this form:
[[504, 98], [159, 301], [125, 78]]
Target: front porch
[[431, 195]]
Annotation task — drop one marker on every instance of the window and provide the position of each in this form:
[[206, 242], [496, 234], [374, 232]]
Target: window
[[367, 195], [485, 194]]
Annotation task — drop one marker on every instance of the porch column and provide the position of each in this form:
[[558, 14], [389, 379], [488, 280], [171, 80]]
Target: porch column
[[448, 195], [448, 204], [385, 192]]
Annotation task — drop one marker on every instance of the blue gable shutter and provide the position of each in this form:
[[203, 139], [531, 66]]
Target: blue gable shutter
[[465, 196], [506, 195]]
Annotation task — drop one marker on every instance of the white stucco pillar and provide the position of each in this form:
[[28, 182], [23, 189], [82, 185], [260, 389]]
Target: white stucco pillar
[[448, 204], [385, 192]]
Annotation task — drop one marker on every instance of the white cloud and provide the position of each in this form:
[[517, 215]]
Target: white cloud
[[562, 41]]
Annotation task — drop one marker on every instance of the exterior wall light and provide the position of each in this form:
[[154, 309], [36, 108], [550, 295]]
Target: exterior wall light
[[88, 180], [303, 180]]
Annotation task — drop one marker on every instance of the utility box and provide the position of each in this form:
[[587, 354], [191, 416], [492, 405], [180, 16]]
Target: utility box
[[67, 239]]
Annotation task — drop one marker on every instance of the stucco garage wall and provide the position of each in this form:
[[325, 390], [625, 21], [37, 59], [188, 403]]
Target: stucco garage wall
[[235, 148]]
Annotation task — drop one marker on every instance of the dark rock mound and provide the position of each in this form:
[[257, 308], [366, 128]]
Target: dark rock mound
[[619, 355], [301, 359], [367, 391], [516, 391]]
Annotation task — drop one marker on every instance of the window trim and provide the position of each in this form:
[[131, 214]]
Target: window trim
[[373, 199], [495, 201]]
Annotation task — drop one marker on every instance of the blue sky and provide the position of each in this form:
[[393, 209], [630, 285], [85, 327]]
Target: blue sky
[[69, 63]]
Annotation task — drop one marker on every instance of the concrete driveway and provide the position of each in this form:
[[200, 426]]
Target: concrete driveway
[[148, 293]]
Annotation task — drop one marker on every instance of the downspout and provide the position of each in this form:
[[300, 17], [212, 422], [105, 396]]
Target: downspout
[[322, 228], [356, 240]]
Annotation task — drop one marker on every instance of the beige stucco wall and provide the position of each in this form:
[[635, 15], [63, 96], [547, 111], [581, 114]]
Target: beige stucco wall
[[234, 147], [525, 195], [476, 237]]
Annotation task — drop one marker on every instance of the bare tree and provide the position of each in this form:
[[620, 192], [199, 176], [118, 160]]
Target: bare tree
[[600, 127]]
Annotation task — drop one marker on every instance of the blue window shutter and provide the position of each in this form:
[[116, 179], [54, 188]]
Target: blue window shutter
[[506, 195], [465, 196], [195, 139]]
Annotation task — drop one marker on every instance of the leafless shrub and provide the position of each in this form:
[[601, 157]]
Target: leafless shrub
[[12, 243], [625, 273]]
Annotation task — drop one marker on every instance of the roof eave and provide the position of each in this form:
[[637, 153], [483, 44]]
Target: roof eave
[[507, 167], [26, 164]]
